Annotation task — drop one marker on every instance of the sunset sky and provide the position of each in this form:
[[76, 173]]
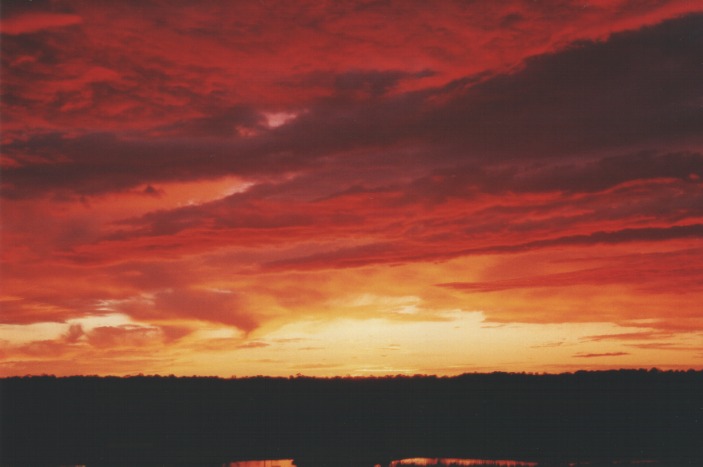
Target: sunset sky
[[355, 187]]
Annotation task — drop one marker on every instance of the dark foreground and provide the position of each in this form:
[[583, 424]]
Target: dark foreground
[[552, 419]]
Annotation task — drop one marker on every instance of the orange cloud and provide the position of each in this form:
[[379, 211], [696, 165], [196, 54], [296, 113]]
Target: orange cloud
[[599, 355]]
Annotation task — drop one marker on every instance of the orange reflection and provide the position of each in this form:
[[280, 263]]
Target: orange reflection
[[451, 461], [262, 463]]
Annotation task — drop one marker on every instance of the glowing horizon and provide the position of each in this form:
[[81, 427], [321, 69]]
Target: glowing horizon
[[357, 188]]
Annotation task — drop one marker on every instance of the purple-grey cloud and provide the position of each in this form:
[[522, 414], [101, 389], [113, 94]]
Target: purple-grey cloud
[[636, 90]]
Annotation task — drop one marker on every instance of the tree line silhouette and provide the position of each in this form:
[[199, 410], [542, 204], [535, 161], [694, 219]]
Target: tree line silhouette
[[552, 419]]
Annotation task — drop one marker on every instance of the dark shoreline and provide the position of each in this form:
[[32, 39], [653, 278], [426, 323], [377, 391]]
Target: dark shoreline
[[551, 419]]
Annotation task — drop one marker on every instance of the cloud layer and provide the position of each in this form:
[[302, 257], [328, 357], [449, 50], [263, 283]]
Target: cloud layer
[[228, 171]]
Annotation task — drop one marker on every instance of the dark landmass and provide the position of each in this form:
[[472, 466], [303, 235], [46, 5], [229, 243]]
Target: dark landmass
[[552, 419]]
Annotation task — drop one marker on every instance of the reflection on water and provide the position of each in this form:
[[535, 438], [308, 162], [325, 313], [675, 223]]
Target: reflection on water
[[415, 461], [450, 461], [264, 463], [447, 461]]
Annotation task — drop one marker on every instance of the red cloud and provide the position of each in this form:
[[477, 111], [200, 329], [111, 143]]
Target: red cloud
[[28, 23], [540, 160], [218, 306]]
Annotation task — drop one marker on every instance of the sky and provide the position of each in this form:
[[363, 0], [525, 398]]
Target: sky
[[353, 187]]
